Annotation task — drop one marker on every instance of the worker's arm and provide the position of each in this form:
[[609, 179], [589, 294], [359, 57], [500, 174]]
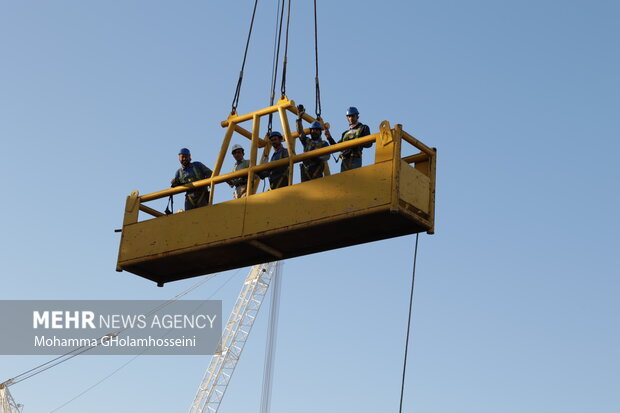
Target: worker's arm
[[300, 127], [206, 172], [366, 132], [328, 135], [300, 132], [175, 181]]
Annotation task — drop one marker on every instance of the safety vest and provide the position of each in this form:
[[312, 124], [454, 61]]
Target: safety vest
[[278, 177], [198, 195], [311, 145], [353, 134], [186, 179], [238, 166]]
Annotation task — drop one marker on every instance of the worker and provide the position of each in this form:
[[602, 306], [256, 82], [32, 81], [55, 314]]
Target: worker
[[191, 172], [278, 177], [311, 168], [240, 184], [351, 157]]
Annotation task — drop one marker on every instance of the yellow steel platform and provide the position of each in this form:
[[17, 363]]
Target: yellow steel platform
[[394, 196]]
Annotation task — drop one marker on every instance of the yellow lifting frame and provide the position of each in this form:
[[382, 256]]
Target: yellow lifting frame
[[232, 125]]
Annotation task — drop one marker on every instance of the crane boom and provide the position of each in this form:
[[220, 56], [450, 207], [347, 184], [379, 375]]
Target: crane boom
[[7, 404], [215, 382]]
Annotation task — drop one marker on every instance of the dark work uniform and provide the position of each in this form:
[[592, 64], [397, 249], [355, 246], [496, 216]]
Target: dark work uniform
[[278, 177], [352, 157], [195, 171], [312, 168]]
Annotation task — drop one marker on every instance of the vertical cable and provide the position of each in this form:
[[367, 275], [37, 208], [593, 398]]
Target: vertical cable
[[235, 101], [316, 54], [415, 258], [288, 20], [276, 57], [272, 335]]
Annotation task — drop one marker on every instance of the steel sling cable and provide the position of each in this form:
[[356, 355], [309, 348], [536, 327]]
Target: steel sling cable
[[316, 54], [235, 101], [288, 20], [276, 57], [415, 258], [276, 50]]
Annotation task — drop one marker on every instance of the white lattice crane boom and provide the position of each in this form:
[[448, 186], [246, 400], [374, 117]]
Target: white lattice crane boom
[[7, 404], [222, 366]]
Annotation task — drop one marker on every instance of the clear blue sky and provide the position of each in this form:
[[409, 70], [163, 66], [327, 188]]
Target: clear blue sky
[[516, 304]]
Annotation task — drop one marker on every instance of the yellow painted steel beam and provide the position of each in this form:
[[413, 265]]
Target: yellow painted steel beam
[[248, 134], [151, 211], [132, 208], [433, 163], [415, 158], [223, 150], [293, 109], [391, 139], [283, 103], [417, 143], [264, 159], [220, 158], [197, 184], [290, 142], [253, 154]]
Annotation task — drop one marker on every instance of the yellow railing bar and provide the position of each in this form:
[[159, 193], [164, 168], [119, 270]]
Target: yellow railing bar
[[417, 144], [249, 188], [151, 211], [248, 134], [293, 109], [415, 158], [285, 103], [290, 142]]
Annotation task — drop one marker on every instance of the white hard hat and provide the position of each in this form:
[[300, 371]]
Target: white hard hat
[[235, 147]]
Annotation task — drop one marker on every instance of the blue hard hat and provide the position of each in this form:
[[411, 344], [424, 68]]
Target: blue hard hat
[[352, 111], [316, 125], [184, 151], [275, 133]]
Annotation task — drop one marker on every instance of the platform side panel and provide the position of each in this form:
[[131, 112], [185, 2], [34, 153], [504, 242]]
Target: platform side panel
[[414, 187], [165, 235], [332, 197]]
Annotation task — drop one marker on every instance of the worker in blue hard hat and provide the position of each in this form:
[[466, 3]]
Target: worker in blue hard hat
[[190, 172], [240, 184], [351, 157], [278, 177], [315, 167]]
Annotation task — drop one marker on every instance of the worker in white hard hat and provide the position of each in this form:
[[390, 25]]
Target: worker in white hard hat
[[240, 184]]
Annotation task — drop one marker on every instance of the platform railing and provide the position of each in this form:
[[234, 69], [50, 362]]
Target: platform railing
[[425, 158]]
